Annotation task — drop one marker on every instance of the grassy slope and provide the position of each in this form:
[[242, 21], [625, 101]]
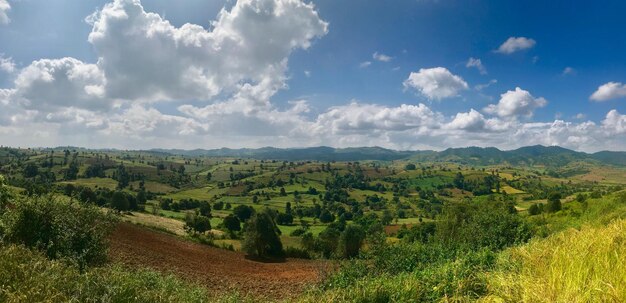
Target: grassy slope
[[573, 266], [586, 265]]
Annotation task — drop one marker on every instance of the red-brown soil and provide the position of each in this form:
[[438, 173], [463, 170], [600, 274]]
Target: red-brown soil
[[217, 269]]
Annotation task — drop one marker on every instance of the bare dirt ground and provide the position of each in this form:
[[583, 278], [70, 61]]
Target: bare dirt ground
[[217, 269]]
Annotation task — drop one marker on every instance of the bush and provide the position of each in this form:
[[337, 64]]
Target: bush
[[196, 223], [261, 237], [60, 229], [492, 224], [298, 232]]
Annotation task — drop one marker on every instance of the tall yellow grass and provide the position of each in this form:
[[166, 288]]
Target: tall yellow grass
[[572, 266]]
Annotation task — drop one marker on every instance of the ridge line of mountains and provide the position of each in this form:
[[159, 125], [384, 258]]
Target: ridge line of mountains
[[529, 155]]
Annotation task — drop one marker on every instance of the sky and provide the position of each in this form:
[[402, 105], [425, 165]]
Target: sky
[[403, 74]]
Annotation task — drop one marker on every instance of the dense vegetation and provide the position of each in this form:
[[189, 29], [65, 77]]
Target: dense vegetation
[[401, 230]]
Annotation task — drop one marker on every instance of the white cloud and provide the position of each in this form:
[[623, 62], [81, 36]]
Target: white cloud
[[615, 123], [5, 7], [365, 64], [436, 83], [363, 118], [230, 73], [471, 121], [569, 71], [476, 63], [247, 45], [307, 73], [53, 83], [608, 91], [516, 103], [6, 63], [480, 87], [580, 116], [514, 44], [381, 57]]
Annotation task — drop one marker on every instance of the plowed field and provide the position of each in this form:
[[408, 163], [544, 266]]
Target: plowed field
[[217, 269]]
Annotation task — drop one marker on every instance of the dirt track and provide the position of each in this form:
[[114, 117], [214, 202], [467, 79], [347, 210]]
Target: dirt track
[[217, 269]]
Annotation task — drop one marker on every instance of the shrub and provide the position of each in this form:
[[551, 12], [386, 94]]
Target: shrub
[[196, 223], [60, 229], [491, 224]]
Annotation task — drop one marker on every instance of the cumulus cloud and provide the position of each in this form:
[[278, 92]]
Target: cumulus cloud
[[516, 103], [615, 123], [48, 84], [477, 64], [608, 91], [515, 44], [436, 83], [381, 57], [7, 64], [247, 45], [5, 7], [220, 83], [364, 118]]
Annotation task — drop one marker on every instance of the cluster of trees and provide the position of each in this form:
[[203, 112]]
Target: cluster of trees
[[58, 228]]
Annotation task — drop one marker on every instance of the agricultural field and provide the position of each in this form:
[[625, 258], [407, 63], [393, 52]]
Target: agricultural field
[[174, 211]]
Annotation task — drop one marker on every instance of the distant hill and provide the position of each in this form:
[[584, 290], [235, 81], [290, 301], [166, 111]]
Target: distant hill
[[529, 155], [322, 153]]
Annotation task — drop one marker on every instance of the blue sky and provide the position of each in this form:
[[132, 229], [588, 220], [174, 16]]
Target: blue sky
[[326, 86]]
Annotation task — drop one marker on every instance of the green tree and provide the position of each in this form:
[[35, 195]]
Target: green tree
[[350, 241], [261, 236], [31, 170], [387, 217], [119, 201], [232, 223], [326, 216], [534, 210], [72, 171], [554, 202], [243, 212]]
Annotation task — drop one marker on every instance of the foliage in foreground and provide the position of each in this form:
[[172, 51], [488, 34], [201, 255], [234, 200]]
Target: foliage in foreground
[[28, 276], [59, 228], [573, 266]]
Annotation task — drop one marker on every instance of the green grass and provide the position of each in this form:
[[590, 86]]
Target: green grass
[[94, 183]]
